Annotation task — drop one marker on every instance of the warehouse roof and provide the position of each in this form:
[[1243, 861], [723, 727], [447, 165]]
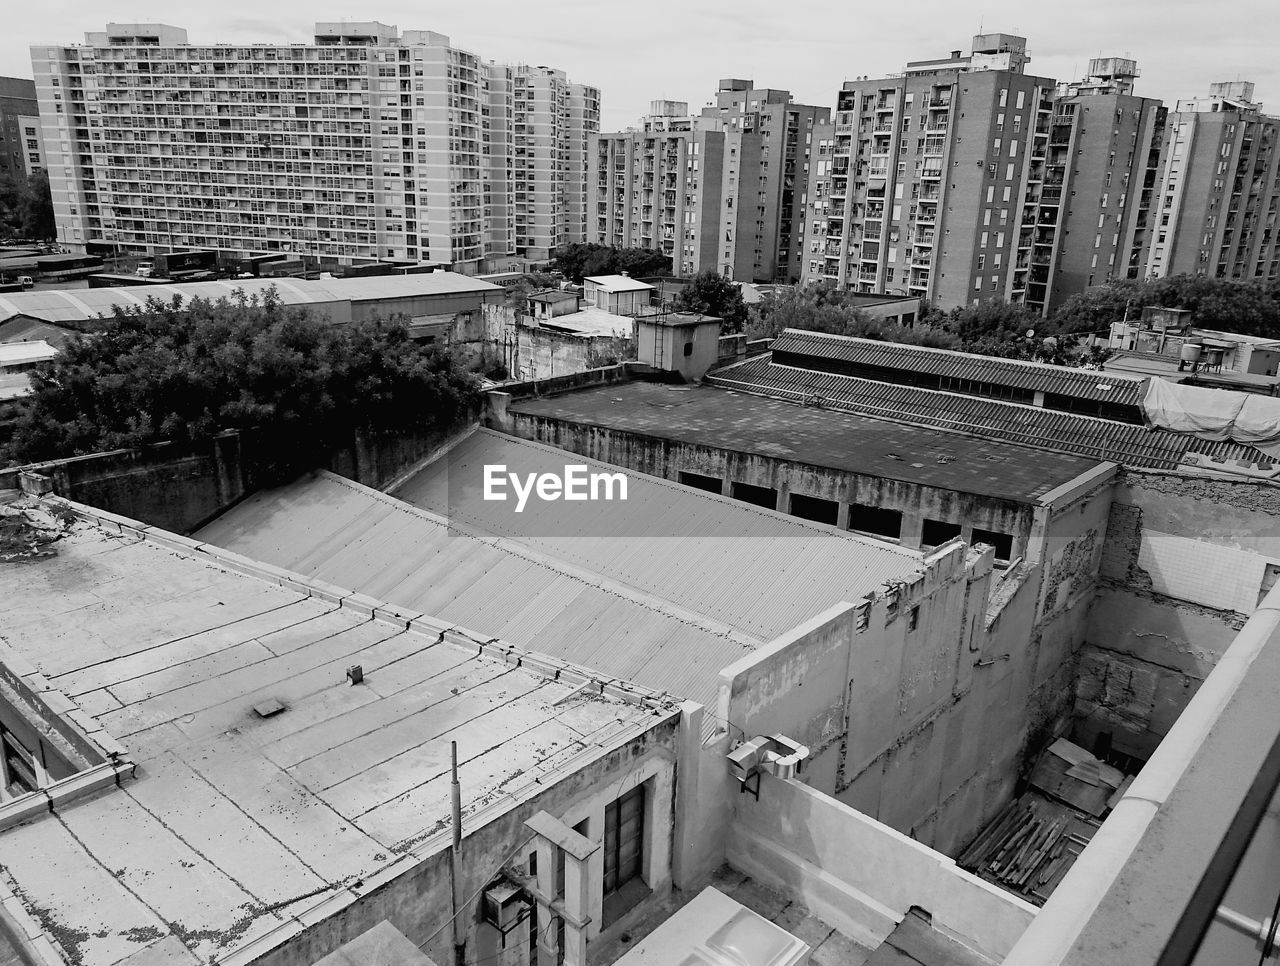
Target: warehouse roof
[[78, 305], [910, 359], [815, 436], [237, 823], [696, 582], [1028, 426]]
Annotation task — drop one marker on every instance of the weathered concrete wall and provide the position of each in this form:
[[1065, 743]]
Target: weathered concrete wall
[[179, 490], [667, 458], [418, 901], [882, 694], [860, 875], [1186, 561]]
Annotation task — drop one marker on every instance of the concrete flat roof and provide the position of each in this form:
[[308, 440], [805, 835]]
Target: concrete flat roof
[[710, 416], [590, 321], [25, 353], [235, 824]]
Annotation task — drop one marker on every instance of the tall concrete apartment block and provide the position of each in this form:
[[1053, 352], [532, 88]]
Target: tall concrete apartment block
[[1099, 173], [368, 143], [721, 191], [20, 141], [773, 207], [666, 187], [926, 175], [1217, 189], [553, 122]]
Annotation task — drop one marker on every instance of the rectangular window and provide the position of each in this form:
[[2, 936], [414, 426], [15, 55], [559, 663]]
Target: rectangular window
[[1003, 542], [623, 853], [934, 533], [815, 508], [875, 521], [712, 484], [764, 496]]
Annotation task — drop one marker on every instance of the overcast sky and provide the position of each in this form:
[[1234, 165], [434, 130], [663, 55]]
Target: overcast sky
[[640, 50]]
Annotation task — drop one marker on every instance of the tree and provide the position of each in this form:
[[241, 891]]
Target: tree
[[994, 319], [26, 207], [1247, 307], [822, 307], [709, 293], [183, 372], [578, 260]]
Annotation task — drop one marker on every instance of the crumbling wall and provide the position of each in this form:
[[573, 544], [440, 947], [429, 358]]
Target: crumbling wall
[[1186, 560]]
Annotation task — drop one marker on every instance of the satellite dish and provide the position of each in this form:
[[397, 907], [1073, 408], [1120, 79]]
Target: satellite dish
[[1031, 333]]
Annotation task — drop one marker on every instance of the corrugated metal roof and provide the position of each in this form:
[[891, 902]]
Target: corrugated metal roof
[[618, 283], [665, 612], [1027, 425], [945, 363], [73, 305]]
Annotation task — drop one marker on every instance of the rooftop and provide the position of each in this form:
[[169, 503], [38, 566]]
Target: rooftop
[[618, 283], [250, 821], [745, 423], [553, 296], [25, 353], [590, 321], [626, 607], [1165, 366], [81, 304], [1029, 426], [1033, 376]]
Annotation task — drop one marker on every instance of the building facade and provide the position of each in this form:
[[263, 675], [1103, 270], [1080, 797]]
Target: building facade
[[922, 176], [1217, 189], [20, 144], [369, 143], [1100, 172], [721, 191]]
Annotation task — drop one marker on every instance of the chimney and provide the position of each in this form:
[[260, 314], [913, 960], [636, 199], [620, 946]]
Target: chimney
[[955, 55]]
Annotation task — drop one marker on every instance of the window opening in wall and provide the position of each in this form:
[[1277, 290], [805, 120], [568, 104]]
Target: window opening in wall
[[712, 484], [913, 618], [19, 766], [875, 521], [934, 533], [764, 496], [815, 508], [1003, 542]]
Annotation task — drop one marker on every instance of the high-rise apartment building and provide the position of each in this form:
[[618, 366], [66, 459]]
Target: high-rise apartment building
[[772, 204], [721, 191], [1098, 175], [1218, 186], [553, 120], [670, 186], [20, 142], [928, 169], [368, 143]]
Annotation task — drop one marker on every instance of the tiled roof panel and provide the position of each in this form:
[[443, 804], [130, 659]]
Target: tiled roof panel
[[1028, 425], [1033, 376]]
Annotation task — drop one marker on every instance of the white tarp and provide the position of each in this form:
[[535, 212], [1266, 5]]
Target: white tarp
[[1216, 414]]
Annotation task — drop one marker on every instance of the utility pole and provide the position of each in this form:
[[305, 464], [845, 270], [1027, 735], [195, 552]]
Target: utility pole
[[455, 861]]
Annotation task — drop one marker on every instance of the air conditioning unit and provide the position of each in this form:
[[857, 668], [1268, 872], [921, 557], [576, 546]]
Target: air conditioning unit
[[777, 754], [504, 906]]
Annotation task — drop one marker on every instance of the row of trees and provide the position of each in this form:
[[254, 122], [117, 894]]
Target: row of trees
[[26, 207], [577, 260], [184, 372]]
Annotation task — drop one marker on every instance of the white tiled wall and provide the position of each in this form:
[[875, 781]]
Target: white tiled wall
[[1203, 573]]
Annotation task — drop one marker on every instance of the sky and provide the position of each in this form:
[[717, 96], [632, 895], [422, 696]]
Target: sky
[[636, 51]]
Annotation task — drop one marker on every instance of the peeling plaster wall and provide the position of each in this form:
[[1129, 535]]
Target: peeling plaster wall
[[1186, 560]]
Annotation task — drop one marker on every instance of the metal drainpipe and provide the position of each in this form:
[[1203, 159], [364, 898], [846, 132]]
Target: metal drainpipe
[[1262, 933]]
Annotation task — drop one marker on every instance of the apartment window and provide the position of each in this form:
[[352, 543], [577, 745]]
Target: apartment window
[[977, 283], [1021, 99], [982, 262], [1004, 96]]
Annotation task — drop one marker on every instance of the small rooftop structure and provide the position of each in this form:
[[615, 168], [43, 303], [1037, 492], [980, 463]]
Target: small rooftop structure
[[16, 356], [618, 283], [590, 322]]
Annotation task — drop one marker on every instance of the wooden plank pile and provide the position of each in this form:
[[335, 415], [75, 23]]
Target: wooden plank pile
[[1029, 847]]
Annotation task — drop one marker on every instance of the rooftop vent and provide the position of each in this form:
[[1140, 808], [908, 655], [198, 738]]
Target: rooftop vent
[[268, 708]]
